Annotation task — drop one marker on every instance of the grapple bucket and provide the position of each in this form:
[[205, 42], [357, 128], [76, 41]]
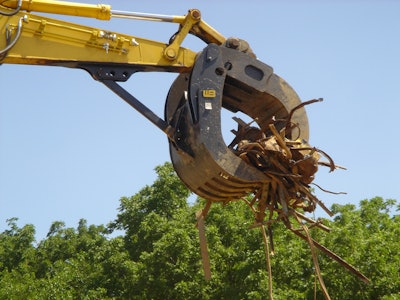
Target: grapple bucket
[[224, 78]]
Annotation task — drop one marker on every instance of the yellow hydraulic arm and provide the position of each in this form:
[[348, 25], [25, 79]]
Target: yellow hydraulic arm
[[26, 38], [38, 40]]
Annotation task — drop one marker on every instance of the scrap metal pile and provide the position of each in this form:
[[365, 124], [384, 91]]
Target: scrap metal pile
[[289, 164]]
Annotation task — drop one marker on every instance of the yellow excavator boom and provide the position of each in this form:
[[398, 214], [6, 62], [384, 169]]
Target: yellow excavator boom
[[44, 41], [97, 11], [49, 41], [104, 12]]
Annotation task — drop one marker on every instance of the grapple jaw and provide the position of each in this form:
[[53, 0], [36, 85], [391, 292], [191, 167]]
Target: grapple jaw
[[224, 78]]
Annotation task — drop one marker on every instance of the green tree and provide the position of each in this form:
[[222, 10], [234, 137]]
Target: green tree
[[367, 237], [159, 201], [63, 266], [157, 256], [16, 254], [16, 245], [161, 240]]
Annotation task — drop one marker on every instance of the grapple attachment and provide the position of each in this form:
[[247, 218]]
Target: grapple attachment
[[224, 78]]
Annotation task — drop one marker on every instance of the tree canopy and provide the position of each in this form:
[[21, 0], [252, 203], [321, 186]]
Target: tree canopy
[[157, 256]]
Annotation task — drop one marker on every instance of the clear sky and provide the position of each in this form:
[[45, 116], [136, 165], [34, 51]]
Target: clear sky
[[70, 148]]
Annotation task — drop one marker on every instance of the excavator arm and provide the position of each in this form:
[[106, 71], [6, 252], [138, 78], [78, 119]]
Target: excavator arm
[[53, 42], [225, 75]]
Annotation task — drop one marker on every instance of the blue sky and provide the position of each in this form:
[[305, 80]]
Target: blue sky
[[70, 148]]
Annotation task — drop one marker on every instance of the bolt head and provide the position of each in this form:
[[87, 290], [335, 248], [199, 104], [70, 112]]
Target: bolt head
[[171, 53]]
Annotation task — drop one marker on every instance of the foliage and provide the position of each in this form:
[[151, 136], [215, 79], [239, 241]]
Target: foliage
[[158, 256]]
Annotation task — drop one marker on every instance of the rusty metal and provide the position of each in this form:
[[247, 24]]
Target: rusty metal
[[290, 165]]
